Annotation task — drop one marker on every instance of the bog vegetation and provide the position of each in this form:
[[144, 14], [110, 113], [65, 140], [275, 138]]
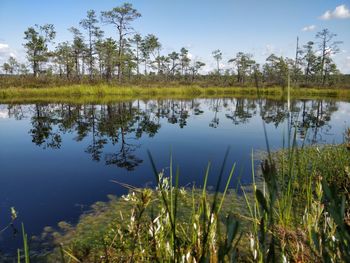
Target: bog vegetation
[[90, 57], [296, 210]]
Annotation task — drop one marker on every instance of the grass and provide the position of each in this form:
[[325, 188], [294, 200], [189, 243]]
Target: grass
[[105, 93], [296, 210]]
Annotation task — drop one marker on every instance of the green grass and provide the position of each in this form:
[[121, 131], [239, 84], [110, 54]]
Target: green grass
[[105, 93], [297, 209]]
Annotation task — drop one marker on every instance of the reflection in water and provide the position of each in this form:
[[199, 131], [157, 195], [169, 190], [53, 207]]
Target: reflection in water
[[68, 154], [122, 124]]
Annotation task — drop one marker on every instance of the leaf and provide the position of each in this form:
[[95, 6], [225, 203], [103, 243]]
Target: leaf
[[261, 199], [232, 229]]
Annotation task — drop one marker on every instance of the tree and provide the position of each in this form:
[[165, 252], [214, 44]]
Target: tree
[[153, 46], [310, 60], [90, 25], [11, 66], [298, 62], [217, 55], [78, 48], [244, 63], [137, 40], [145, 52], [121, 17], [109, 56], [276, 70], [327, 47], [38, 38], [64, 57], [174, 57], [184, 59], [23, 70], [6, 67], [14, 65], [195, 68]]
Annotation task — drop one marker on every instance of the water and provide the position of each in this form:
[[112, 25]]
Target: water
[[58, 159]]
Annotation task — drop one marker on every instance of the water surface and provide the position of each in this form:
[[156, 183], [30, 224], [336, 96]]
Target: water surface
[[58, 159]]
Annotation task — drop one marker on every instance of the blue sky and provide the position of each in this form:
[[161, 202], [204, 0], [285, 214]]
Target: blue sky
[[254, 26]]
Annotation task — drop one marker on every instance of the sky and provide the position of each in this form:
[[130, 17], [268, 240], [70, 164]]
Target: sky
[[259, 27]]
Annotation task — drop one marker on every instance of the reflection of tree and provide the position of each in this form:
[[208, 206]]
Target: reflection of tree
[[111, 131], [146, 125], [125, 158], [120, 121], [315, 117], [242, 111], [174, 111], [214, 123], [97, 141], [275, 112], [16, 112], [42, 132]]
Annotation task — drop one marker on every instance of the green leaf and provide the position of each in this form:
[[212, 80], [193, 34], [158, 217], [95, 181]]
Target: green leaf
[[261, 199]]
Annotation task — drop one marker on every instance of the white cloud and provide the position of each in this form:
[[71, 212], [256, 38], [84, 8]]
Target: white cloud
[[4, 52], [340, 12], [3, 46], [7, 51], [308, 28]]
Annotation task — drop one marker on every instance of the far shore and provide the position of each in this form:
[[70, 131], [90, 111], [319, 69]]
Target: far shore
[[107, 93]]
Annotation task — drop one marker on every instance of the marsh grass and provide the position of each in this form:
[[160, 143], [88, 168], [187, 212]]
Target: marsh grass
[[105, 93]]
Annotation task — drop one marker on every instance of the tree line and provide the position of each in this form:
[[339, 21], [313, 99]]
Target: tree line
[[134, 57]]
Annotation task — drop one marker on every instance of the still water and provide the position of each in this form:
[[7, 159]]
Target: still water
[[58, 159]]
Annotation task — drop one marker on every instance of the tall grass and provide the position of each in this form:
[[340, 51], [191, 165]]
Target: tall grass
[[296, 211], [88, 93]]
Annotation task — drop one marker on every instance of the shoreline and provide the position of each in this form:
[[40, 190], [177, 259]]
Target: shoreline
[[105, 93]]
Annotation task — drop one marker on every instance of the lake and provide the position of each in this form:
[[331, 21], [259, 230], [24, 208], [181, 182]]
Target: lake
[[57, 159]]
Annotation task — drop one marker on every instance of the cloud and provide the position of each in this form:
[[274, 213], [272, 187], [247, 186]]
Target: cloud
[[7, 51], [4, 52], [308, 28], [343, 64], [3, 46], [340, 12]]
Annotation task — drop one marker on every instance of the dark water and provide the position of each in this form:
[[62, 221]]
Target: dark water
[[58, 159]]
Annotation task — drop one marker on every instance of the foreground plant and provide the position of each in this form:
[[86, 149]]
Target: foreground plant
[[295, 212]]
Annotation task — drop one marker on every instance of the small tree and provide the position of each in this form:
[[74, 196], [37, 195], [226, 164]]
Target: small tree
[[78, 48], [244, 63], [38, 38], [217, 55], [137, 40], [6, 67], [174, 57], [121, 17], [94, 33], [65, 58], [327, 47], [184, 59], [195, 68]]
